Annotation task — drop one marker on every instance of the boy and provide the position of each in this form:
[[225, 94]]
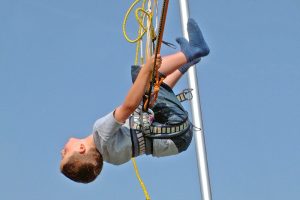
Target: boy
[[115, 139]]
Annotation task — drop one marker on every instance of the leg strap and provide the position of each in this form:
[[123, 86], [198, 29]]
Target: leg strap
[[140, 144]]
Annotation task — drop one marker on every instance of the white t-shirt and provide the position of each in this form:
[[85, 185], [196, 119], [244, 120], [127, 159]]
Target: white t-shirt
[[113, 141]]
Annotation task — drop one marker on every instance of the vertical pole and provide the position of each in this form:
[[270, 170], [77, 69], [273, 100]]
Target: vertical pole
[[196, 112]]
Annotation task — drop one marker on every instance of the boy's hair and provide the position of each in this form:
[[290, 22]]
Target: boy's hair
[[83, 168]]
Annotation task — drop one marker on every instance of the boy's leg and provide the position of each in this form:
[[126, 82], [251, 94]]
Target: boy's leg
[[173, 78], [196, 47], [190, 54], [169, 65], [172, 62], [174, 66]]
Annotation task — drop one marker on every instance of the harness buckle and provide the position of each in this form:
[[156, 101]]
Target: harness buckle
[[188, 93]]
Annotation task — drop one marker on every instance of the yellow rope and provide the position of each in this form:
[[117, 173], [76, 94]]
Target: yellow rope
[[142, 16], [142, 9], [140, 180]]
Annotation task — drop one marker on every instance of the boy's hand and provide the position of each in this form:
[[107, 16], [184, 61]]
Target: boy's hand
[[150, 63]]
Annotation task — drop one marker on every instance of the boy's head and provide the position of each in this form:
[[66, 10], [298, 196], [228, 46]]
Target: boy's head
[[81, 161]]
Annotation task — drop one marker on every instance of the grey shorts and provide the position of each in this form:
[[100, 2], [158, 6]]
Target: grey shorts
[[169, 111]]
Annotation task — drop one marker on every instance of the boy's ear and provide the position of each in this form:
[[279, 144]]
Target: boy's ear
[[82, 149]]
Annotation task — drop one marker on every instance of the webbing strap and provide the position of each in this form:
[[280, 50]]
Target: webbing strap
[[141, 144], [186, 94], [164, 132]]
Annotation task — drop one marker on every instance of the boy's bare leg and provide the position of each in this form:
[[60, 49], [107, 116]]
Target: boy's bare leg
[[173, 78], [172, 62], [174, 66]]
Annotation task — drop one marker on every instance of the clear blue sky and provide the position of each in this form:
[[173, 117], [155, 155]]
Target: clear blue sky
[[65, 63]]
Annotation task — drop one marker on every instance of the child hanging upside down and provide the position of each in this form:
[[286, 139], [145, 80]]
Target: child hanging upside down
[[116, 137]]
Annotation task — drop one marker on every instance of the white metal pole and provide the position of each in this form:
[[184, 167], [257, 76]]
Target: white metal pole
[[196, 112]]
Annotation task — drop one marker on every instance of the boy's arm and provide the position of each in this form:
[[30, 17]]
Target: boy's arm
[[136, 91]]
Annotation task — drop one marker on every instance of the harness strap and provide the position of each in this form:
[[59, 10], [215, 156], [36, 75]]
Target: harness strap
[[140, 143], [186, 94], [143, 132], [165, 131], [137, 140]]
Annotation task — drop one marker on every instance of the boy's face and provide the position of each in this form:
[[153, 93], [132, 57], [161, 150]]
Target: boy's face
[[73, 145]]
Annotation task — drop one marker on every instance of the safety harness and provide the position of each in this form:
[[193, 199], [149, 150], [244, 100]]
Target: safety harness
[[143, 132]]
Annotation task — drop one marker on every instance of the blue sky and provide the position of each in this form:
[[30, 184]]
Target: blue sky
[[63, 64]]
